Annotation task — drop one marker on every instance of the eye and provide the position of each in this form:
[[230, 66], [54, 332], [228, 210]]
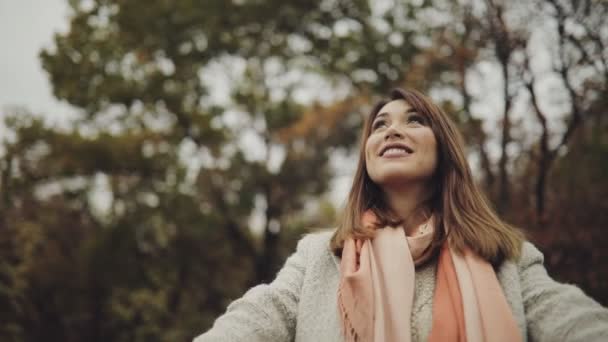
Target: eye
[[378, 123], [416, 118]]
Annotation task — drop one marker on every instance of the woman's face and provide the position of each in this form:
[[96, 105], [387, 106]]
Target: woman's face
[[401, 148]]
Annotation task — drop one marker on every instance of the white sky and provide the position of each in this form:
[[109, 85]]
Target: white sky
[[27, 26]]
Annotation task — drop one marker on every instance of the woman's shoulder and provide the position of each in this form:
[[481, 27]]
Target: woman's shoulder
[[316, 241], [315, 248], [524, 271], [530, 255], [318, 235]]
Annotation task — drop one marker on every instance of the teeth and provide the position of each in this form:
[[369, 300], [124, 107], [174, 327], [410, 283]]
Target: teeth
[[394, 151]]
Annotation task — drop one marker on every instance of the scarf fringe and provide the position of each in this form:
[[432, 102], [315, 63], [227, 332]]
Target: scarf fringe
[[348, 330]]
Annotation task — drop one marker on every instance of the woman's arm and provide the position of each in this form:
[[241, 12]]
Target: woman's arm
[[266, 312], [555, 311]]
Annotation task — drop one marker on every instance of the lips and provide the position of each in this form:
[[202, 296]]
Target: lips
[[395, 149]]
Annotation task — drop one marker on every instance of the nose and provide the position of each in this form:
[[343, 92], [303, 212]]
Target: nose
[[392, 132]]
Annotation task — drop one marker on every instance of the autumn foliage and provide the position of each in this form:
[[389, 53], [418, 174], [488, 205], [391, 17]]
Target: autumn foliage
[[210, 137]]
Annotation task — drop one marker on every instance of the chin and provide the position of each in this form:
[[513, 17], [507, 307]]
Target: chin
[[398, 177], [395, 178]]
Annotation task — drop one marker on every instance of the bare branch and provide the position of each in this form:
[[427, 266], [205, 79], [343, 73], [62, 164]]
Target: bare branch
[[542, 118], [563, 69], [503, 46]]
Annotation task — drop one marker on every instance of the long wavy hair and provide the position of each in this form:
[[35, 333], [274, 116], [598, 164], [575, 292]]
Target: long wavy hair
[[456, 200]]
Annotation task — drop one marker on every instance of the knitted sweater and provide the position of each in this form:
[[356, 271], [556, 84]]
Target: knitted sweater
[[301, 303]]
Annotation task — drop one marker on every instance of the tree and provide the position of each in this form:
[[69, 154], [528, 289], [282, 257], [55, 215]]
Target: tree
[[181, 186], [199, 120]]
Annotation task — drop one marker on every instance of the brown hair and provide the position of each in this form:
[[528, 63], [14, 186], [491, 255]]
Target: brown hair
[[456, 202]]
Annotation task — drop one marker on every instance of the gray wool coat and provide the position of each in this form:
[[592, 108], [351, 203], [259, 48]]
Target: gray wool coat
[[301, 303]]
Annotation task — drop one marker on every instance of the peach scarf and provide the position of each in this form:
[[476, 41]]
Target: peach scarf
[[376, 291]]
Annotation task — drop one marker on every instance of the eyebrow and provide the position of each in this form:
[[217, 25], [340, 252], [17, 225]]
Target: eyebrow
[[410, 110]]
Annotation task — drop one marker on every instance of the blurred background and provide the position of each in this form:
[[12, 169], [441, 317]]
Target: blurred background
[[158, 158]]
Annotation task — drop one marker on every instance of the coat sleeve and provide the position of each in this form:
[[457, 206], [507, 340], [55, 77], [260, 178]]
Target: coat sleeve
[[266, 312], [555, 311]]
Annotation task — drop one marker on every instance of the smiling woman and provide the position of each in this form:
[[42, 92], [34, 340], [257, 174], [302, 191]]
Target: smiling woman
[[401, 149], [418, 255]]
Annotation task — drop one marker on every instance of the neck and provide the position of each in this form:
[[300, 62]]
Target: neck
[[407, 202]]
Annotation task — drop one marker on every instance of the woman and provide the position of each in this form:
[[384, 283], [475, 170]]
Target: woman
[[418, 255]]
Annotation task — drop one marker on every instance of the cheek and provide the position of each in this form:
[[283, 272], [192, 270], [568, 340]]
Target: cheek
[[433, 153], [370, 158], [430, 149], [369, 148]]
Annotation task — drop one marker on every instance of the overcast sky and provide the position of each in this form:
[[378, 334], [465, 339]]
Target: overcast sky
[[26, 26]]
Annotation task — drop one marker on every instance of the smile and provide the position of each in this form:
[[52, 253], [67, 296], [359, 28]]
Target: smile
[[395, 152]]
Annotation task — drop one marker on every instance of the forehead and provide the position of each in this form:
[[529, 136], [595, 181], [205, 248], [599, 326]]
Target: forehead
[[395, 107]]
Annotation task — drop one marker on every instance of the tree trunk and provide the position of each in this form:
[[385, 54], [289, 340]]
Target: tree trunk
[[503, 193], [266, 261]]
